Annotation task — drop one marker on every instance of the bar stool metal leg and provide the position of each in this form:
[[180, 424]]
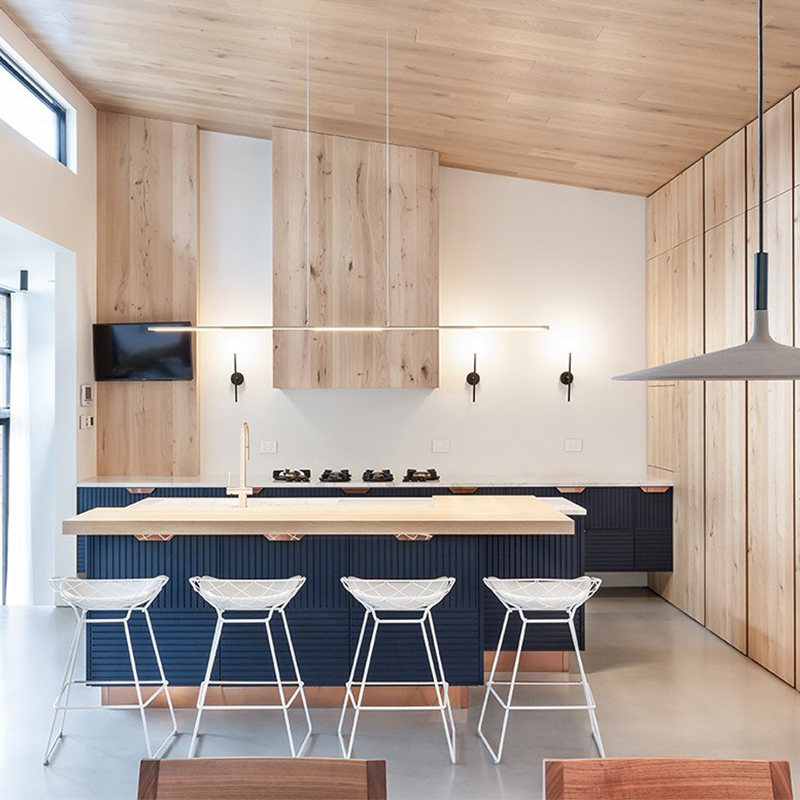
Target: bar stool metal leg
[[138, 689], [201, 697], [280, 688], [141, 702], [347, 687], [490, 682], [300, 683], [441, 688], [587, 693], [441, 672], [505, 704], [66, 684], [284, 703], [347, 750], [164, 681]]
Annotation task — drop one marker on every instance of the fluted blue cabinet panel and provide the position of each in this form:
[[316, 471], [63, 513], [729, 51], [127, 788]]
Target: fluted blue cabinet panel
[[532, 557], [399, 652], [318, 615], [184, 641], [324, 619]]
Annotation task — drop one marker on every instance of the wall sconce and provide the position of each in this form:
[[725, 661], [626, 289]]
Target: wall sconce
[[473, 379], [237, 379], [567, 378]]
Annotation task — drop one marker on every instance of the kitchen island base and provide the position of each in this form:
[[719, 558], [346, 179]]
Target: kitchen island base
[[325, 622]]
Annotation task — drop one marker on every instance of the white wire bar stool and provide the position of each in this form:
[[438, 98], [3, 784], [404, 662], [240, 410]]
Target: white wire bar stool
[[265, 598], [535, 596], [417, 597], [123, 596]]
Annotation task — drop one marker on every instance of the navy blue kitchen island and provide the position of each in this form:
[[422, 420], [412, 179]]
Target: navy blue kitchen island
[[325, 620]]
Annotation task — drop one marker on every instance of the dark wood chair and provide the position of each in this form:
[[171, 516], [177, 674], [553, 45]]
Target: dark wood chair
[[262, 779], [666, 779]]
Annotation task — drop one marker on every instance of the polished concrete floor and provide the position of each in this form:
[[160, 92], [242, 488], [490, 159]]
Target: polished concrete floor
[[664, 687]]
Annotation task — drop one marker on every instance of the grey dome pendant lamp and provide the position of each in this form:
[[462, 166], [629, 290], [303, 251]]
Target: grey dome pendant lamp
[[761, 358]]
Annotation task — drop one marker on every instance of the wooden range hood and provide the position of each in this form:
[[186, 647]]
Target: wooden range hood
[[334, 270]]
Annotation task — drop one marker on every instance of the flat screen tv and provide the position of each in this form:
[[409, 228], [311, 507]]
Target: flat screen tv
[[131, 352]]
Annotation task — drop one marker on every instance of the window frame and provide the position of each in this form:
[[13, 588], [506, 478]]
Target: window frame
[[14, 69]]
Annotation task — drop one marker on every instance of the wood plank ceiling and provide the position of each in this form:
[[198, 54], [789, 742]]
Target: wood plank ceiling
[[608, 94]]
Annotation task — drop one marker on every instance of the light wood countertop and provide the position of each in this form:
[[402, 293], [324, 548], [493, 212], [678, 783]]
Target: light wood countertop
[[440, 514]]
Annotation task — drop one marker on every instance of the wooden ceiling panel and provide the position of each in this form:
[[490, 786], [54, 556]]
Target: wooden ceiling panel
[[599, 93]]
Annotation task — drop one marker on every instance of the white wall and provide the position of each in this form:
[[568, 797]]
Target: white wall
[[512, 251], [60, 204], [42, 454], [57, 206]]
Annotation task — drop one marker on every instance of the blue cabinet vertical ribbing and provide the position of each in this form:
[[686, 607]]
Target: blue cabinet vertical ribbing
[[325, 620]]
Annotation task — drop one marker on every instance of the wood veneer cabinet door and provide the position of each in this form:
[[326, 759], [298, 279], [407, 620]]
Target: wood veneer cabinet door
[[353, 280], [725, 181], [796, 257], [684, 586], [796, 102], [147, 247], [778, 157], [725, 448], [675, 211], [660, 396], [679, 444], [770, 463], [660, 428]]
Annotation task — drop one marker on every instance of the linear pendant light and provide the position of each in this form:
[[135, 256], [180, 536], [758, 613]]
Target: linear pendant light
[[761, 358], [167, 328]]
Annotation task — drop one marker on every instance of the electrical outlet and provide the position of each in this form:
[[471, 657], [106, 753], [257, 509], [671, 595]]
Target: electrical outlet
[[573, 445], [268, 446], [85, 421], [440, 446]]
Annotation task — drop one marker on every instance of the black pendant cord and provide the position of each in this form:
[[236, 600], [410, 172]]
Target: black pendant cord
[[761, 258]]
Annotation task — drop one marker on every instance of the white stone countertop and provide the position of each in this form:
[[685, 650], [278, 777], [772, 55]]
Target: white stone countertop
[[267, 482]]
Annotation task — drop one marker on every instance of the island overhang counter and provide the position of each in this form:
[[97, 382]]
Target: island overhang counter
[[473, 515]]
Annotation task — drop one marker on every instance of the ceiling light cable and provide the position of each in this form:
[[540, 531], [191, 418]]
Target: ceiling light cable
[[308, 178], [388, 221], [760, 357]]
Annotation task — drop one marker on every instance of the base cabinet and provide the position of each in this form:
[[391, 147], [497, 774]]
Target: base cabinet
[[324, 619]]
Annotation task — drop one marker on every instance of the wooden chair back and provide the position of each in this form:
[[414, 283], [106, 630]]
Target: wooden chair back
[[262, 779], [666, 779]]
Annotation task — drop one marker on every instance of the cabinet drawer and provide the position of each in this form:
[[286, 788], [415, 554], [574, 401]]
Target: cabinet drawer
[[609, 550], [653, 551]]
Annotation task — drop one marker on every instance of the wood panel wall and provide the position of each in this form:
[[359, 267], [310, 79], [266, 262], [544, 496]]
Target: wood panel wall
[[344, 247], [675, 276], [146, 271], [726, 449], [749, 467]]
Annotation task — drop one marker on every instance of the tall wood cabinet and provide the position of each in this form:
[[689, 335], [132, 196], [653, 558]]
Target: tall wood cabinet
[[725, 446], [348, 253], [748, 471], [675, 411]]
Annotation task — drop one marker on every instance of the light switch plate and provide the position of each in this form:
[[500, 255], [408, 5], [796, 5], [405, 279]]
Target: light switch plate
[[573, 445], [87, 394], [268, 446], [440, 446], [86, 421]]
